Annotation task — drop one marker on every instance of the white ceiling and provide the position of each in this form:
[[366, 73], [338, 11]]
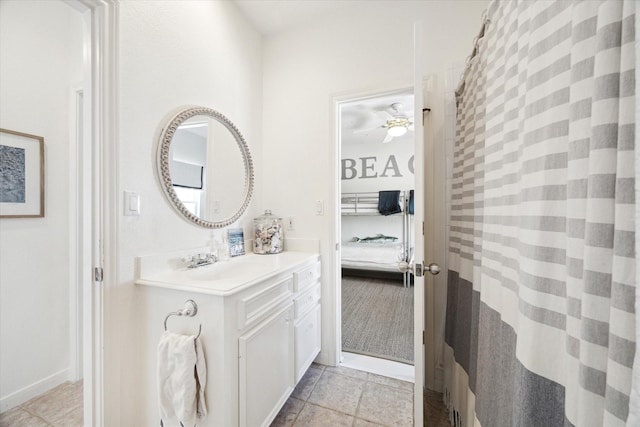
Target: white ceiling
[[361, 120], [274, 16]]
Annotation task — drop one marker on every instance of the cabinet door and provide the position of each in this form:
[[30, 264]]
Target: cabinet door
[[307, 340], [266, 369]]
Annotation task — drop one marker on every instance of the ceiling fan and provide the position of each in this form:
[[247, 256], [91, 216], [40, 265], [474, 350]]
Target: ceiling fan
[[396, 124]]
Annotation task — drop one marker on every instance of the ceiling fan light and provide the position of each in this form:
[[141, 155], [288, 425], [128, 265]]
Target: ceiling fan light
[[397, 130]]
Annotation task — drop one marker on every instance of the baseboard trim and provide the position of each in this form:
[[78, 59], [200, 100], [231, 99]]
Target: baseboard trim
[[29, 392]]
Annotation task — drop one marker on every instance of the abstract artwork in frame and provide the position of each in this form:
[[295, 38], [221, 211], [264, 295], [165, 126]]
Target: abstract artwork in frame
[[21, 175]]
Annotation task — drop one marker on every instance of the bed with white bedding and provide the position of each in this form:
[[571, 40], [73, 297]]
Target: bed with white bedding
[[377, 252], [377, 256]]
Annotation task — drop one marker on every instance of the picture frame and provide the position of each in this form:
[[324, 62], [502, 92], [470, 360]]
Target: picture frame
[[236, 242], [21, 175]]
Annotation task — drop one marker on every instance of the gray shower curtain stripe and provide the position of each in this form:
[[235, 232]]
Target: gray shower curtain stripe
[[540, 323]]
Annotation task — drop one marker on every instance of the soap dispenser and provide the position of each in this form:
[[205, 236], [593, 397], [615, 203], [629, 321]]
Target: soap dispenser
[[220, 246], [223, 252]]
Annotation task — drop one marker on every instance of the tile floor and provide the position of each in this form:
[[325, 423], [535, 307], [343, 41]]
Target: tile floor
[[60, 406], [435, 412], [339, 396], [326, 396]]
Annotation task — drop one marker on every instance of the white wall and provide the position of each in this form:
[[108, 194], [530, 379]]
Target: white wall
[[364, 48], [40, 63], [171, 54]]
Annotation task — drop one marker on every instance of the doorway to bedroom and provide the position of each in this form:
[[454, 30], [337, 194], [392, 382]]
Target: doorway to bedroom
[[376, 229]]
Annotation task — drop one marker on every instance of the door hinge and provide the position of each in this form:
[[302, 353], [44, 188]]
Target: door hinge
[[424, 337], [98, 273], [423, 228]]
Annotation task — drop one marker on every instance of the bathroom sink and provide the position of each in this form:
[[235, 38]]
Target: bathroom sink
[[225, 270], [222, 278]]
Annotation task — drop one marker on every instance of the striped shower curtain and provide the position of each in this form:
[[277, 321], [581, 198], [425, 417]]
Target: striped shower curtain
[[540, 326]]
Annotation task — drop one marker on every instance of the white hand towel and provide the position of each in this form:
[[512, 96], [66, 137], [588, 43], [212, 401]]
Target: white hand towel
[[182, 377]]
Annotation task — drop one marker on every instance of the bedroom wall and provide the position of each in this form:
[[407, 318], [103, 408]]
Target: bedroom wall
[[366, 48], [171, 54], [373, 167], [378, 166]]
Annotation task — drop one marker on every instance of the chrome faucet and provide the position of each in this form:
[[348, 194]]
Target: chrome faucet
[[200, 260]]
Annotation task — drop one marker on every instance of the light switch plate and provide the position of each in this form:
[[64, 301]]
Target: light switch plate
[[131, 203]]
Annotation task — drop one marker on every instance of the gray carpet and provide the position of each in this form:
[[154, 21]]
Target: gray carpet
[[377, 318]]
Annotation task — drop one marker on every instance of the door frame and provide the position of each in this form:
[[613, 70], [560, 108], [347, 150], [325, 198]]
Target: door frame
[[335, 298], [99, 204], [334, 353], [79, 265]]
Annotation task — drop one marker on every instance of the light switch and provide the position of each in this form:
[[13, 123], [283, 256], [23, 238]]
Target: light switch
[[319, 207], [131, 203]]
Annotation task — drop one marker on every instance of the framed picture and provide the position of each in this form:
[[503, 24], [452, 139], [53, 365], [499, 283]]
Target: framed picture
[[21, 175], [236, 242]]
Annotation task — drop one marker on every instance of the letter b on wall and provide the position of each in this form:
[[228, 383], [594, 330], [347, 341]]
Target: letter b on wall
[[349, 169]]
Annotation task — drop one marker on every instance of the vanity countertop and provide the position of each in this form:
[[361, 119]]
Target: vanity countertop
[[228, 277]]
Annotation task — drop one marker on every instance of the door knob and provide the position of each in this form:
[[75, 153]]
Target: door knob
[[404, 266], [418, 269], [433, 268]]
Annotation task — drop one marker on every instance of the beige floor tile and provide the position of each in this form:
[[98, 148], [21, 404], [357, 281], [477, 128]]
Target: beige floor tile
[[315, 416], [288, 413], [318, 366], [365, 423], [435, 411], [391, 382], [307, 383], [74, 418], [386, 405], [18, 417], [56, 404], [353, 373], [337, 392]]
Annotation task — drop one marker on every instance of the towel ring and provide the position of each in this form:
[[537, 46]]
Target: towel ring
[[190, 309]]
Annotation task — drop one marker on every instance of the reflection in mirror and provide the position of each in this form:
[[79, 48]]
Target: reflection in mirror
[[205, 167]]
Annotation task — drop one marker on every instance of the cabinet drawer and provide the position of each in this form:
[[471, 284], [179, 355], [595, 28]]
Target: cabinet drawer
[[306, 300], [307, 341], [303, 278], [259, 305]]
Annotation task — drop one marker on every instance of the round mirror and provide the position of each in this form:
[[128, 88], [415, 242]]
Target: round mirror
[[205, 167]]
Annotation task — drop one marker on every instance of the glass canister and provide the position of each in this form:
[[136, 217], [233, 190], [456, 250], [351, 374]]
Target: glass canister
[[268, 236]]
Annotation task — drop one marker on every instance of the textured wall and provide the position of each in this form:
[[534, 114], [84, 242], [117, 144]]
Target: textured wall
[[172, 54], [40, 64]]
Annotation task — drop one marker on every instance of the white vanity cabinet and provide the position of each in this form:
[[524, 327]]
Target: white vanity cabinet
[[259, 334], [265, 352]]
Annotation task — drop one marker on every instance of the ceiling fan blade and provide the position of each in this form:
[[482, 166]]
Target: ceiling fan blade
[[388, 138], [384, 115], [367, 130]]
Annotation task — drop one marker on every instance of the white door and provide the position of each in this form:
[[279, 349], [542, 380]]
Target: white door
[[422, 263], [418, 217]]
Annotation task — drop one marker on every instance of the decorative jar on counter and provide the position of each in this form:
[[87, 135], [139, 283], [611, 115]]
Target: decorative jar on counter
[[268, 237]]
